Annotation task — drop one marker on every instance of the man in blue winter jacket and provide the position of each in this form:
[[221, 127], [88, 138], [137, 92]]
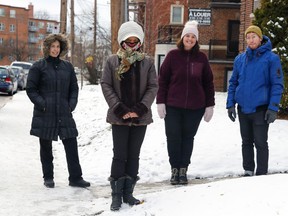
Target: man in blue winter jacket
[[256, 85]]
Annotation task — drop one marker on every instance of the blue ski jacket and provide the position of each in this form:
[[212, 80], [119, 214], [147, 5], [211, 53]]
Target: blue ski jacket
[[257, 79]]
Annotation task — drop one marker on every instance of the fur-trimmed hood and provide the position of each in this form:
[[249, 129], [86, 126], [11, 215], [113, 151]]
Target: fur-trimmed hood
[[52, 38]]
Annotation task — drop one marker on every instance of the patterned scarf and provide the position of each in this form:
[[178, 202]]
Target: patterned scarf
[[128, 56]]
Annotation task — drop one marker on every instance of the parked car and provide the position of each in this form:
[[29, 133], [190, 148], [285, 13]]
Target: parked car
[[21, 76], [25, 65], [8, 80]]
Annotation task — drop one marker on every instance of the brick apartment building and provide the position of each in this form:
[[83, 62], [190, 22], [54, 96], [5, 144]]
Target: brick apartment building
[[21, 34], [221, 28]]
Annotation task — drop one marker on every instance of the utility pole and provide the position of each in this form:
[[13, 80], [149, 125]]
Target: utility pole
[[117, 18], [95, 29], [72, 34], [94, 68], [63, 17]]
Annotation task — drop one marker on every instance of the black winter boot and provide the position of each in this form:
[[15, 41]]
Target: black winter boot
[[174, 176], [117, 192], [183, 176], [128, 191], [49, 183]]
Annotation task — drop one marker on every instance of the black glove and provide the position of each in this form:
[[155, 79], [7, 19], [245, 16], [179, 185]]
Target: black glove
[[140, 109], [270, 116], [232, 113]]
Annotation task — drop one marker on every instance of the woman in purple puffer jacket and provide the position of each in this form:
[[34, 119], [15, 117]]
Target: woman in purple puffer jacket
[[185, 95]]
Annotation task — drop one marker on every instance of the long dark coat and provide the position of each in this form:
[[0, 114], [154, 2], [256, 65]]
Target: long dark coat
[[52, 87]]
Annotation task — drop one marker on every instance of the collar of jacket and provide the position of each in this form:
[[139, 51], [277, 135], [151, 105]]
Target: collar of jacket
[[54, 60]]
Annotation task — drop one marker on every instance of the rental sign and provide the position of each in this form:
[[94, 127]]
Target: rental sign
[[202, 16]]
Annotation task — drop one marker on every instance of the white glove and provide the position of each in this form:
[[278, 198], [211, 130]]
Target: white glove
[[208, 113], [161, 108]]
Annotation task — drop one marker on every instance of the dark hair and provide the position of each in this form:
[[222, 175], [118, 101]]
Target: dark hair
[[195, 49]]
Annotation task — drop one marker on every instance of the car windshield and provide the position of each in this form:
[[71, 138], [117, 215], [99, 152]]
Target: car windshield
[[24, 66], [3, 71]]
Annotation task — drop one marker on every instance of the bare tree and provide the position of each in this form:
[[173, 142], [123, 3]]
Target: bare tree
[[84, 31], [42, 14], [17, 50]]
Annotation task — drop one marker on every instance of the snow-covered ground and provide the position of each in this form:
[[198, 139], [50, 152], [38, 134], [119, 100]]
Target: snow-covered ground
[[216, 155]]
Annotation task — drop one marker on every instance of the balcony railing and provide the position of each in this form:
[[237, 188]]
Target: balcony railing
[[169, 33], [223, 49], [33, 40], [33, 28], [225, 3]]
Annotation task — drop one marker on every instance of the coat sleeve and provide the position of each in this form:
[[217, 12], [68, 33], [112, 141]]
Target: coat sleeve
[[107, 85], [32, 87], [233, 83], [276, 82], [73, 88], [164, 80]]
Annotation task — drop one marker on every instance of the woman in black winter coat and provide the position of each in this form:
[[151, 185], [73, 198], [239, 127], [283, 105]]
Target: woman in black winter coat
[[52, 88]]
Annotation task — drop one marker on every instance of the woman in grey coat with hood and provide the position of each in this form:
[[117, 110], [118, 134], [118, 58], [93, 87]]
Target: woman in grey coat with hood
[[52, 88], [129, 86]]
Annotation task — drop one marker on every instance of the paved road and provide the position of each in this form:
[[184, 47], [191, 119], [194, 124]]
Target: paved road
[[4, 98]]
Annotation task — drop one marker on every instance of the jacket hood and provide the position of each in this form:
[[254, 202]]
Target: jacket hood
[[52, 38], [265, 46]]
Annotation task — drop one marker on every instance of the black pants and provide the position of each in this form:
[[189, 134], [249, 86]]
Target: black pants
[[254, 130], [72, 158], [127, 142], [181, 126]]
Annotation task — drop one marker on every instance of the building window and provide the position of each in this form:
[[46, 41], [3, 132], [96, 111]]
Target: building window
[[2, 27], [41, 25], [1, 41], [11, 42], [177, 14], [12, 28], [12, 13], [31, 23], [2, 12]]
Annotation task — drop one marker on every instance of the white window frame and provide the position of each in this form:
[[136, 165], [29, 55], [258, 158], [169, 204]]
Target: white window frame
[[2, 12], [172, 13], [2, 27], [12, 28], [12, 13]]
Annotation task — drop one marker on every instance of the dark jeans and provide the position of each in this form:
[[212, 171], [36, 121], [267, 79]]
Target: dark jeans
[[181, 126], [127, 142], [254, 130], [72, 158]]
